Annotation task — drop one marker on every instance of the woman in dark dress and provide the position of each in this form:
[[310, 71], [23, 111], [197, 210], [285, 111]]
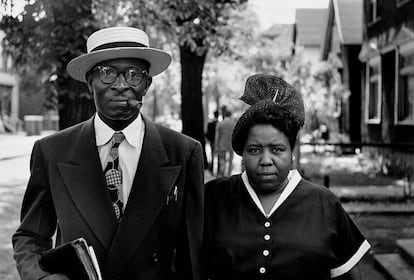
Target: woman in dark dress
[[268, 222]]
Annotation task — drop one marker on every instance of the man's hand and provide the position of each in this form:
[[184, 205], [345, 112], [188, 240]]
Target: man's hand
[[56, 277]]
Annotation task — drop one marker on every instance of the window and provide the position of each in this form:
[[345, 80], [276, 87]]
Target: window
[[5, 62], [374, 11], [5, 99], [404, 100], [373, 92]]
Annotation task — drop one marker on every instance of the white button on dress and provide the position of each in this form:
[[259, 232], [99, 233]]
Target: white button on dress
[[262, 270]]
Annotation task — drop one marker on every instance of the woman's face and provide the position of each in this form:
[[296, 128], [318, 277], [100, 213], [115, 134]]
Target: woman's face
[[267, 157]]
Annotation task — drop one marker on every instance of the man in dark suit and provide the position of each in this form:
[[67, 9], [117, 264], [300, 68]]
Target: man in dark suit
[[136, 198]]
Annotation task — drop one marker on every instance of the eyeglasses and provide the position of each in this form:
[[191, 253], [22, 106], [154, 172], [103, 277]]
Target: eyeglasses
[[132, 75]]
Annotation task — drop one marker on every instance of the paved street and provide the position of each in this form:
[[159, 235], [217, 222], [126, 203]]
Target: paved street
[[11, 192], [14, 166]]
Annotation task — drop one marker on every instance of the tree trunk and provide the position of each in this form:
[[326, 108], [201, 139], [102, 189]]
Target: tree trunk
[[191, 95]]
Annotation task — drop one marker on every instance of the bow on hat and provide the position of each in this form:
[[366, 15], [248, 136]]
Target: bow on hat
[[261, 87]]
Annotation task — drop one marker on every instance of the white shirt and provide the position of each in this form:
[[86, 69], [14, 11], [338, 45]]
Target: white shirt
[[129, 150]]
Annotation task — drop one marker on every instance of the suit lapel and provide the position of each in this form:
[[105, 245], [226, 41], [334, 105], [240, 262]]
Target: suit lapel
[[151, 186], [85, 182]]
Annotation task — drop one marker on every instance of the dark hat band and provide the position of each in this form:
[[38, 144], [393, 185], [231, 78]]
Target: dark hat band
[[118, 45]]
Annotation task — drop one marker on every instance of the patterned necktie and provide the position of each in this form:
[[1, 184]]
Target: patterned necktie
[[113, 174]]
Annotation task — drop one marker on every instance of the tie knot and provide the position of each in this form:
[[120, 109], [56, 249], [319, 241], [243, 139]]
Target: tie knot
[[118, 137]]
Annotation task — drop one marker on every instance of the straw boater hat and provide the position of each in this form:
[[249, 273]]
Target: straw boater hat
[[270, 95], [118, 42]]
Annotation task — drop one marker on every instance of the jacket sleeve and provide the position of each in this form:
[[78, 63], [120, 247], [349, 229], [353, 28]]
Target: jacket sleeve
[[38, 220], [189, 256]]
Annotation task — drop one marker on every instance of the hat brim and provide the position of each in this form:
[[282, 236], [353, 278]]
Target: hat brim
[[79, 66]]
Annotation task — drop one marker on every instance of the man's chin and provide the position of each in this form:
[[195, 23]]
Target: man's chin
[[121, 116]]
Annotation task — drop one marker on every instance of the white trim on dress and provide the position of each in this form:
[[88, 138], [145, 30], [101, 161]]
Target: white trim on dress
[[346, 267], [294, 179]]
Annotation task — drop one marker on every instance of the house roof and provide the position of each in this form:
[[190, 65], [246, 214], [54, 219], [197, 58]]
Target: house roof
[[309, 23], [348, 17], [279, 30], [343, 25]]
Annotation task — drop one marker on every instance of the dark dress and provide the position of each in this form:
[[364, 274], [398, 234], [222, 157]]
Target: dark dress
[[307, 236]]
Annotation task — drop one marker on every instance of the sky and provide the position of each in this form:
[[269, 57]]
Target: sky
[[282, 11]]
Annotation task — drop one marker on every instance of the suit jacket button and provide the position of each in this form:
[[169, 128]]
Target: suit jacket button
[[155, 257]]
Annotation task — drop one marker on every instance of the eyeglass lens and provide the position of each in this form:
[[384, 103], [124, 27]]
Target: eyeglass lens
[[132, 75]]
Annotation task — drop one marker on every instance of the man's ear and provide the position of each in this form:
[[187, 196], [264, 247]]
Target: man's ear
[[89, 81], [147, 84]]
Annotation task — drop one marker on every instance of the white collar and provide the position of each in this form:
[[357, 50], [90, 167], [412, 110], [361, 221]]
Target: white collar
[[132, 132], [294, 178]]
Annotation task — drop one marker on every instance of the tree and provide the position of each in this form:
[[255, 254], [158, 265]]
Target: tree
[[54, 32], [226, 72], [41, 41], [195, 26]]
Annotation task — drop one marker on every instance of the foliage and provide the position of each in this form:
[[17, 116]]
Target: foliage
[[199, 24], [163, 97], [323, 92], [271, 52], [41, 42], [50, 33], [225, 72], [253, 51]]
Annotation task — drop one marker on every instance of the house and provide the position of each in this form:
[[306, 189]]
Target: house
[[308, 35], [341, 44], [387, 55], [9, 92]]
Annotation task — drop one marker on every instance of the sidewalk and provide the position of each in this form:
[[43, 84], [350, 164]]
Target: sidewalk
[[17, 144]]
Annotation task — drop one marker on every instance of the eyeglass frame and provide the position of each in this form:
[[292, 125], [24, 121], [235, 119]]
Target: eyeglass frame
[[99, 69]]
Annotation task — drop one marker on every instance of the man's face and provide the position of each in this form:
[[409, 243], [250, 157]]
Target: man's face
[[118, 87]]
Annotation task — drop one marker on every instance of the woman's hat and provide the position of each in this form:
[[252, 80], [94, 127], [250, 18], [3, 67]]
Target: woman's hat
[[118, 42], [271, 95]]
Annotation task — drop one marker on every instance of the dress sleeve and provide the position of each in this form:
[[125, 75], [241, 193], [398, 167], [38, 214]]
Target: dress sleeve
[[349, 246]]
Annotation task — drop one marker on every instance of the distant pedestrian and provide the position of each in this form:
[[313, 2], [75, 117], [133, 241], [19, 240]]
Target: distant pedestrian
[[324, 132], [223, 145], [211, 135]]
